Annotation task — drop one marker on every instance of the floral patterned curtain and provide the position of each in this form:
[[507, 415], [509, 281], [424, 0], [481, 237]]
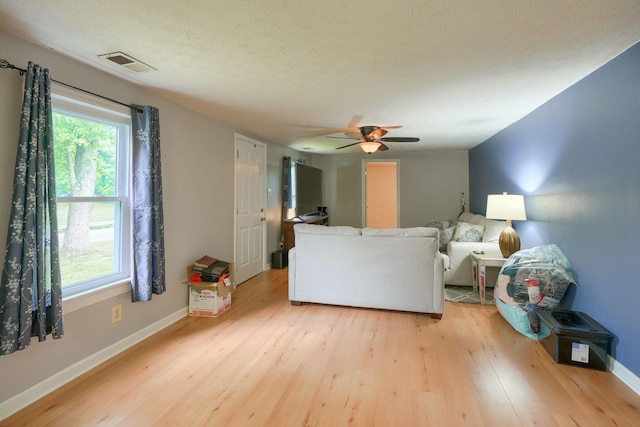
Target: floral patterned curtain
[[30, 288], [148, 275]]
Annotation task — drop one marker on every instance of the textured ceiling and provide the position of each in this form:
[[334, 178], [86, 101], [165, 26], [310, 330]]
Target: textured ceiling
[[452, 73]]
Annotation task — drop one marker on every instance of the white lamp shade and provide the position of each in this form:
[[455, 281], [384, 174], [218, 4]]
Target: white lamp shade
[[369, 146], [506, 206]]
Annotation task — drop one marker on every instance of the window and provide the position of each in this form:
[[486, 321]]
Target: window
[[92, 188]]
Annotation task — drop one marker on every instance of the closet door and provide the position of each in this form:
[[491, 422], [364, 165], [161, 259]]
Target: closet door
[[251, 189]]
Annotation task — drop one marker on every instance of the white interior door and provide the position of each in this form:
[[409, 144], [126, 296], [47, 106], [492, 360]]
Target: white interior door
[[251, 188]]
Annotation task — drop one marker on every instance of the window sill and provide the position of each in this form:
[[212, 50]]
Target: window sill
[[82, 300]]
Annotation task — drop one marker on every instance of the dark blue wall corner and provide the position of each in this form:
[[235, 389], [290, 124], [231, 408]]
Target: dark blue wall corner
[[576, 160]]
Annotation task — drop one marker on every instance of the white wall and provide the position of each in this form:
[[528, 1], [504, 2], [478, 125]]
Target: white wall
[[431, 184]]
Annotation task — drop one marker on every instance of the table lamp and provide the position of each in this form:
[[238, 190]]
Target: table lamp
[[508, 207]]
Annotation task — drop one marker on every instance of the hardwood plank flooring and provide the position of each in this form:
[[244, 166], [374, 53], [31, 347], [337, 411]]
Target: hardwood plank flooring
[[266, 363]]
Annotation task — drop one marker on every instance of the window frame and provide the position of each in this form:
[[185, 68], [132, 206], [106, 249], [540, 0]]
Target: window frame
[[78, 104]]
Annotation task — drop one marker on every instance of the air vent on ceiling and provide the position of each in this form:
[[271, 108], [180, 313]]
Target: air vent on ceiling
[[127, 61]]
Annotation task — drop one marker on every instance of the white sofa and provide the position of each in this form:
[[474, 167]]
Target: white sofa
[[393, 269], [457, 259]]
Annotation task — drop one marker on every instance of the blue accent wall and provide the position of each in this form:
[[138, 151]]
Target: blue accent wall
[[576, 159]]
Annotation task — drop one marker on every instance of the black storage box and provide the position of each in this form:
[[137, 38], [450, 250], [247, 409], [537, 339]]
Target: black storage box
[[576, 339], [279, 259]]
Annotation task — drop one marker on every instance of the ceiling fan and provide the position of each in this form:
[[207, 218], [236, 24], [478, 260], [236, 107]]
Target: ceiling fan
[[373, 138]]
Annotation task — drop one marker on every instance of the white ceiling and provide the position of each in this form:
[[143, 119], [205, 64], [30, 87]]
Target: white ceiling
[[451, 72]]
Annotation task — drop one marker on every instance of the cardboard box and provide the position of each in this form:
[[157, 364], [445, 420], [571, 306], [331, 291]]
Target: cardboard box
[[205, 302], [209, 299], [576, 339]]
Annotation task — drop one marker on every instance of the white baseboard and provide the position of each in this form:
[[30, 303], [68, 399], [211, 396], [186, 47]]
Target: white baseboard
[[38, 391], [625, 375]]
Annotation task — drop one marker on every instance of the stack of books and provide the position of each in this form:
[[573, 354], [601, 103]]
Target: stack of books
[[205, 262], [210, 269]]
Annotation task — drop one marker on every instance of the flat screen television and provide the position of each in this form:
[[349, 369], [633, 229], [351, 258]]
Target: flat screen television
[[308, 189]]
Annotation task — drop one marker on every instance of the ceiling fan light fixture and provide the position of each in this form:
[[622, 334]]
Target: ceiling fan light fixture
[[369, 146], [372, 139]]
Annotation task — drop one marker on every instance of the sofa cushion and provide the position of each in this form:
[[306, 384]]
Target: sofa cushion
[[476, 219], [492, 230], [466, 232], [402, 232], [465, 217], [343, 230]]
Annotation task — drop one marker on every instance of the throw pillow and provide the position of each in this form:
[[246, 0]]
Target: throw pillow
[[440, 225], [445, 237], [466, 232]]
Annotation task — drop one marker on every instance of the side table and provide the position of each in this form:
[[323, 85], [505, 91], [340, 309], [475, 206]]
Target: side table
[[479, 263]]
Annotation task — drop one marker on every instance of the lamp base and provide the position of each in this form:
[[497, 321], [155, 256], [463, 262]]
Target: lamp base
[[509, 241]]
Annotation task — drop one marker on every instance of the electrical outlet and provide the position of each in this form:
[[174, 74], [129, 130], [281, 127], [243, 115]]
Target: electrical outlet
[[116, 313]]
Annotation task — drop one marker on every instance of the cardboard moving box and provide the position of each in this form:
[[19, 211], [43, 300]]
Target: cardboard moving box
[[209, 299]]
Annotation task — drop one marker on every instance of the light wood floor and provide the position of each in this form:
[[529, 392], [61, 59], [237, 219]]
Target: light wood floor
[[266, 363]]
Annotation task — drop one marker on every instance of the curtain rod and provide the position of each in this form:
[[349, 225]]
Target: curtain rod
[[6, 64]]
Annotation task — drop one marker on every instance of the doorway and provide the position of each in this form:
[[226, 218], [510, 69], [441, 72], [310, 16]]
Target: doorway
[[381, 194], [250, 209]]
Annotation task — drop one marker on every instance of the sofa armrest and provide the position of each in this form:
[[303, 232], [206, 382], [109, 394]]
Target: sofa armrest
[[438, 283], [292, 271]]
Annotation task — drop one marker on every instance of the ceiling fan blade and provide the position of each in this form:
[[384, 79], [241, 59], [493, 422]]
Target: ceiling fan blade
[[353, 134], [340, 137], [355, 120], [382, 147], [399, 139], [345, 146], [352, 130]]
